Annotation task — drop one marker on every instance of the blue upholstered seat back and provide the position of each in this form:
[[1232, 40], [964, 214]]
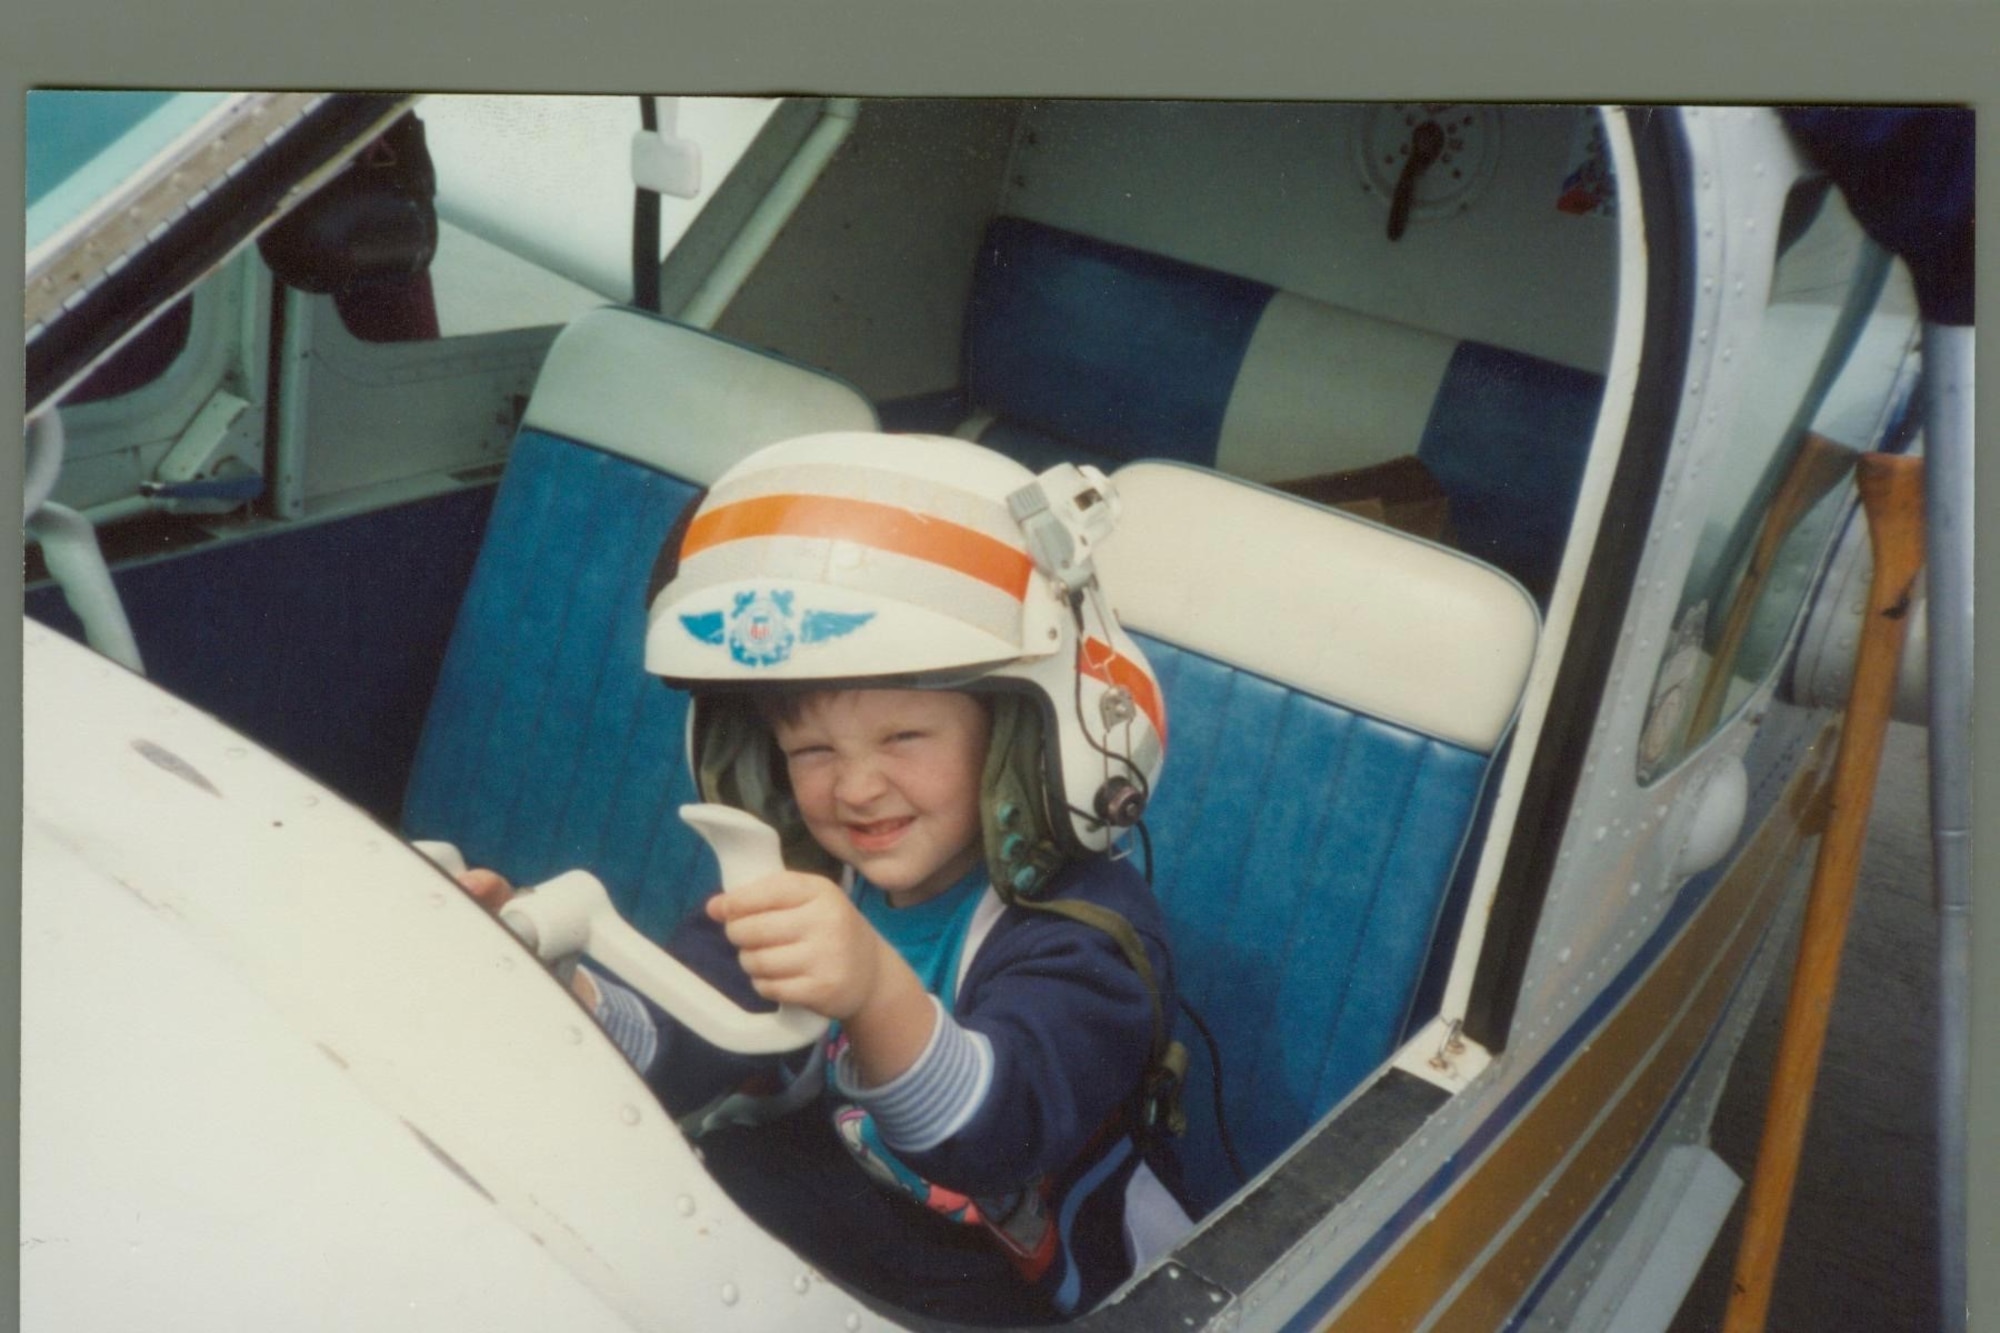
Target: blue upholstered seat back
[[1335, 692], [1301, 852], [1129, 354], [1080, 350], [547, 746]]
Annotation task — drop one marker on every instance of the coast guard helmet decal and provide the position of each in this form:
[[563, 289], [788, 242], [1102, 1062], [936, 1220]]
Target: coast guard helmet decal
[[762, 628]]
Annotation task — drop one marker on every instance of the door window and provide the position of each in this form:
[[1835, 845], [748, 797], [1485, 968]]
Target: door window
[[1828, 373]]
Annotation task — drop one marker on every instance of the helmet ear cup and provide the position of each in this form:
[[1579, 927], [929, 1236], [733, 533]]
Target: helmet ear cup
[[1021, 839]]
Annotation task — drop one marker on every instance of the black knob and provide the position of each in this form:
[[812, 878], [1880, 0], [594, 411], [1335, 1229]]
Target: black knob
[[1120, 803]]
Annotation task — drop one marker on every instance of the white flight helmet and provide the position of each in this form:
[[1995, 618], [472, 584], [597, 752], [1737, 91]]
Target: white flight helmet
[[908, 561]]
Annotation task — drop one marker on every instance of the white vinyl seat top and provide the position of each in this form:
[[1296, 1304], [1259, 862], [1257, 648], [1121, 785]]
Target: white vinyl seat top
[[1400, 629], [678, 399]]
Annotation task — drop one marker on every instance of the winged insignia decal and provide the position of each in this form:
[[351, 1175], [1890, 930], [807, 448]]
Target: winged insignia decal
[[762, 628]]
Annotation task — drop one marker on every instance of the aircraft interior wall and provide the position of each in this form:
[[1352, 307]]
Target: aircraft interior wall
[[1273, 191], [871, 277]]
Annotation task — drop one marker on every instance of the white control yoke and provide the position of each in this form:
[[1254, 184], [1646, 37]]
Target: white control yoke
[[572, 914]]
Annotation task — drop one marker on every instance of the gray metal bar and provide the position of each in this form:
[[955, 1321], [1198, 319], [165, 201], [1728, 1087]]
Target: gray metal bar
[[1948, 381], [288, 486]]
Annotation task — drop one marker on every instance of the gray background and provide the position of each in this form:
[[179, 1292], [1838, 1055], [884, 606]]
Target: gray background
[[1921, 50]]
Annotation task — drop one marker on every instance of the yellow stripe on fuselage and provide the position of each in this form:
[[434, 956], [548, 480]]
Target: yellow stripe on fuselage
[[1662, 1025]]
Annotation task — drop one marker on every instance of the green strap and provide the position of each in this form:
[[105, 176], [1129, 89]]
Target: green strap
[[1127, 939], [1167, 1062]]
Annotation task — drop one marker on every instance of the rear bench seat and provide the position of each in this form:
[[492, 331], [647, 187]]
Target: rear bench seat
[[1080, 350], [547, 746], [1336, 693]]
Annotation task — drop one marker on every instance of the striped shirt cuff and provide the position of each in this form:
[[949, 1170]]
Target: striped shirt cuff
[[932, 1099], [623, 1016]]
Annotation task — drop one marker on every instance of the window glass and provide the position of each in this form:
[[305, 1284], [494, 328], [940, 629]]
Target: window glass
[[83, 144], [535, 199], [80, 146], [1827, 373]]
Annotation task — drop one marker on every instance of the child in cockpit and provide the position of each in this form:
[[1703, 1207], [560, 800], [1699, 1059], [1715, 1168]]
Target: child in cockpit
[[923, 690]]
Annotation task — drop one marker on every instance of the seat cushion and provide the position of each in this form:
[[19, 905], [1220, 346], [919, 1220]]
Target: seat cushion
[[1389, 625], [1507, 438]]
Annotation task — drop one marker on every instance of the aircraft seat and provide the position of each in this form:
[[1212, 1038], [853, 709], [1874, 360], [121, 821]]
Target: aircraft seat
[[1336, 694], [547, 747], [1080, 350]]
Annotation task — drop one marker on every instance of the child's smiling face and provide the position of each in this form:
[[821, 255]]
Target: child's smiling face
[[888, 782]]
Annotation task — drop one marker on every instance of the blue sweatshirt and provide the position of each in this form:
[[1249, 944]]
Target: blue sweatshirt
[[998, 1178]]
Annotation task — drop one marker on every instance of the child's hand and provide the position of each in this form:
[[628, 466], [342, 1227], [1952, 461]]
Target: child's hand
[[803, 942], [488, 888]]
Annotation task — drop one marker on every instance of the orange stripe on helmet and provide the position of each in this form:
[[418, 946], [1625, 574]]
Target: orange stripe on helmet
[[1100, 661], [884, 527]]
